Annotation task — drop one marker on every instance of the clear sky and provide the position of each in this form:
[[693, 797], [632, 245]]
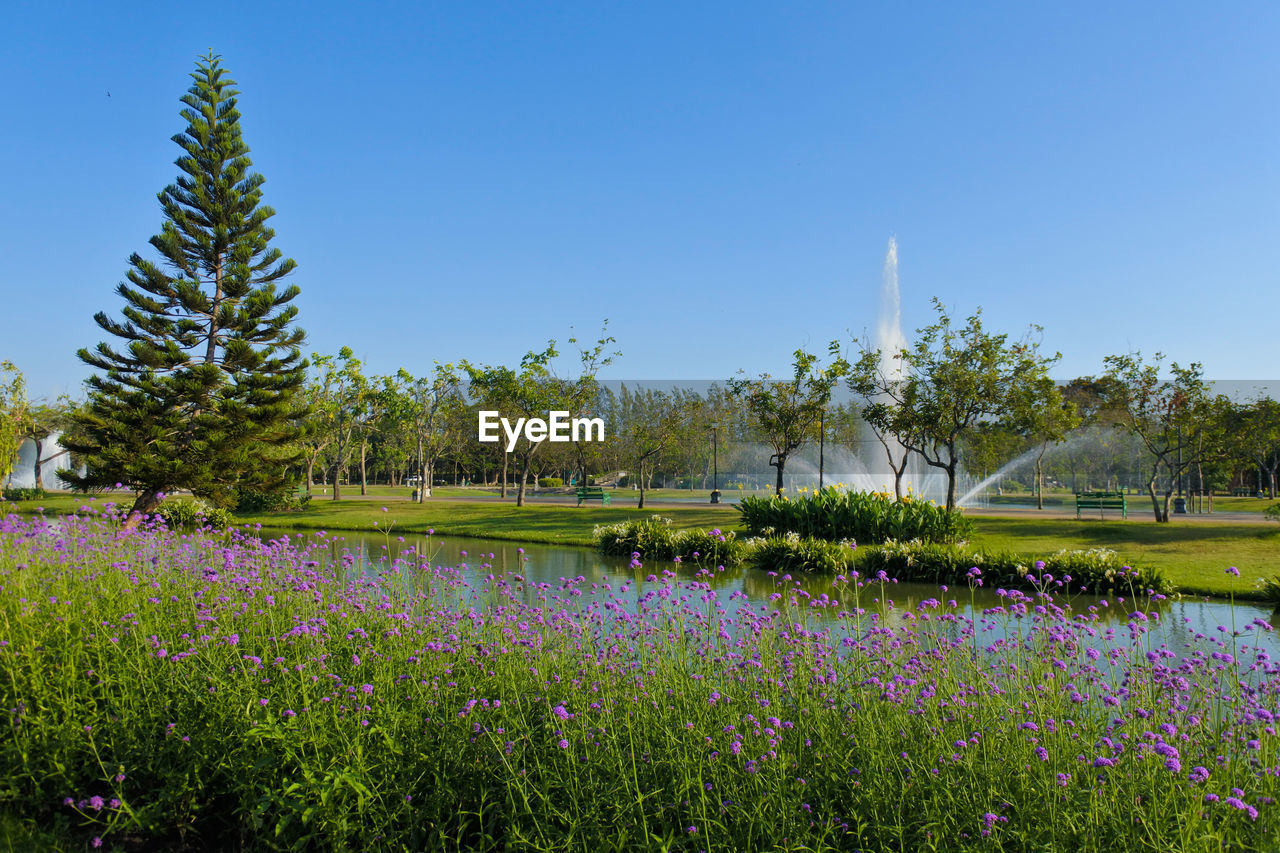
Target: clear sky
[[718, 179]]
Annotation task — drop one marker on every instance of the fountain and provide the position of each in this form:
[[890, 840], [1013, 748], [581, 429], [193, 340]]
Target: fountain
[[869, 468]]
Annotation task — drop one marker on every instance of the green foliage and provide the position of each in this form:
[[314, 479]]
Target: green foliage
[[550, 482], [201, 396], [864, 517], [654, 539], [1272, 512], [13, 414], [787, 413], [1095, 570], [712, 547], [192, 514], [17, 494], [281, 500], [952, 379], [792, 553], [1271, 589]]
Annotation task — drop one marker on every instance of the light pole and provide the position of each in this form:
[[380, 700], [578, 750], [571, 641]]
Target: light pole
[[715, 463]]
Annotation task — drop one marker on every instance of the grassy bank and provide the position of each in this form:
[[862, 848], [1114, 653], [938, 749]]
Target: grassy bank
[[185, 692], [1193, 556]]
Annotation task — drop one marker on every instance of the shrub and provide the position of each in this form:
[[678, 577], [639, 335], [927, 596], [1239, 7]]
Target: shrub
[[792, 553], [18, 494], [190, 514], [710, 547], [652, 538], [550, 482], [1272, 512], [866, 517], [250, 501], [1095, 570]]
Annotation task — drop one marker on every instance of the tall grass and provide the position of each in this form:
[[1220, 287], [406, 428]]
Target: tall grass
[[865, 517], [166, 691]]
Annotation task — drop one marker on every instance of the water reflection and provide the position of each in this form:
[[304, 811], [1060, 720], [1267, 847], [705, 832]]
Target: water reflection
[[542, 571]]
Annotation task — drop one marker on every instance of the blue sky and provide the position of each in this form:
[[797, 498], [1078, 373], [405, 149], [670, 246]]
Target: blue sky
[[719, 180]]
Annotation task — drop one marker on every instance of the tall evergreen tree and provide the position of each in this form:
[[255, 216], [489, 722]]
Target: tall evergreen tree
[[203, 397]]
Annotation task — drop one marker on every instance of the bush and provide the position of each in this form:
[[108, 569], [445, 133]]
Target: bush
[[709, 547], [865, 517], [652, 538], [550, 482], [188, 514], [1095, 570], [18, 494], [792, 553], [250, 501]]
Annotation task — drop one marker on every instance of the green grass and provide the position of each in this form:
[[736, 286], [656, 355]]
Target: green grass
[[1194, 556]]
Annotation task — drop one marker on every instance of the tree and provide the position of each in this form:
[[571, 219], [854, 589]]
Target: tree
[[951, 379], [1175, 418], [534, 390], [202, 396], [335, 398], [1255, 439], [426, 404], [787, 412], [43, 420], [651, 423], [1044, 417], [13, 414]]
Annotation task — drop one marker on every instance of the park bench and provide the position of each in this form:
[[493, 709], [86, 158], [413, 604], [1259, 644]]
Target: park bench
[[1101, 501], [593, 493]]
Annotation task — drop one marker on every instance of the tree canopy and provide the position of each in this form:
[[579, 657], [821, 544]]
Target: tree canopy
[[202, 394]]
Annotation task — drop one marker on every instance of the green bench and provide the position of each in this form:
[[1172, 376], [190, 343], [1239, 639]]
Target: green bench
[[1102, 501], [593, 493]]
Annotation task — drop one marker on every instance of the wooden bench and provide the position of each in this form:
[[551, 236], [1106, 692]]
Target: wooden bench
[[1102, 501], [593, 493]]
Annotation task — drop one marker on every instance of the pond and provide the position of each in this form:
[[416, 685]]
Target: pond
[[546, 568]]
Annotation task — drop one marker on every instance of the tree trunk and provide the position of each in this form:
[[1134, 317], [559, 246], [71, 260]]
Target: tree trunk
[[524, 477], [311, 467], [506, 460], [779, 461], [337, 475], [39, 481], [364, 477], [1040, 478], [641, 504], [144, 505], [1155, 500], [951, 485]]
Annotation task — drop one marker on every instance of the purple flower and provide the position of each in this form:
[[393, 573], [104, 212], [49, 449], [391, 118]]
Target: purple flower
[[1198, 775], [563, 744], [367, 688], [1232, 570]]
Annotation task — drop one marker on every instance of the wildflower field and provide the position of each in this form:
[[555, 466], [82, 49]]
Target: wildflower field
[[217, 691]]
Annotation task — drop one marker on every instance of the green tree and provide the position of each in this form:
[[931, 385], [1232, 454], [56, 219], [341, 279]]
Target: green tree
[[43, 420], [930, 395], [13, 415], [787, 412], [534, 390], [1179, 424], [652, 422], [426, 405], [202, 396], [1044, 417]]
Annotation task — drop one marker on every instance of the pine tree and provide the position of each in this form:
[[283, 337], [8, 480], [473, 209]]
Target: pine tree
[[203, 397]]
